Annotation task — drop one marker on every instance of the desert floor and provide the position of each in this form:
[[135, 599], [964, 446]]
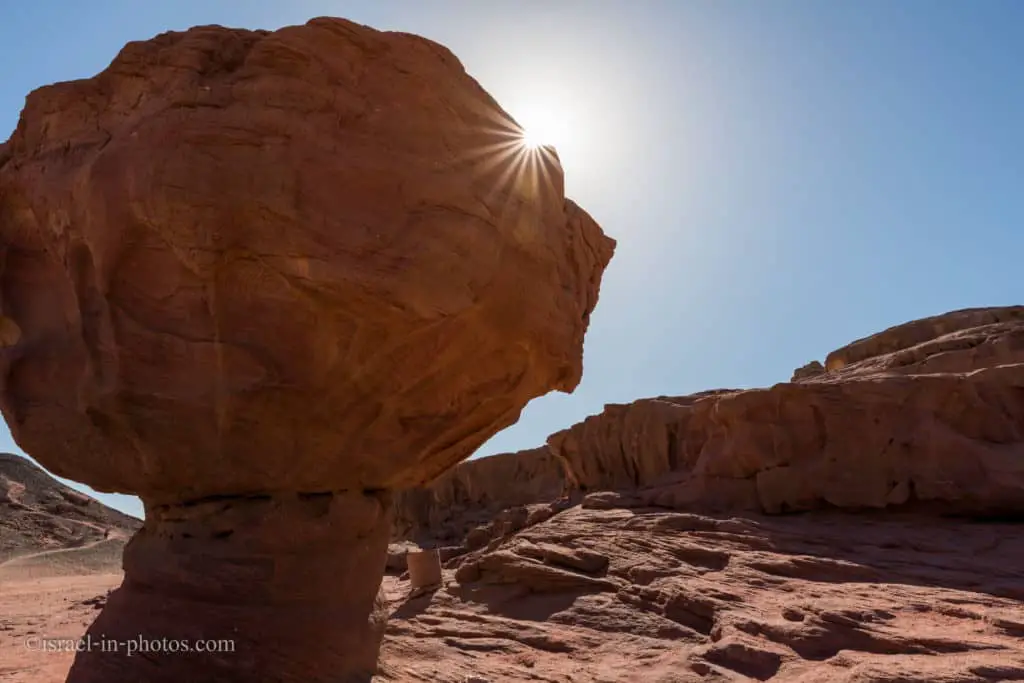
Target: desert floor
[[619, 595]]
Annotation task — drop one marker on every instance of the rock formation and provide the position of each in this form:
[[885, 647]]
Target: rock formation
[[262, 280], [626, 595], [929, 414], [474, 492], [933, 336], [812, 369], [672, 568]]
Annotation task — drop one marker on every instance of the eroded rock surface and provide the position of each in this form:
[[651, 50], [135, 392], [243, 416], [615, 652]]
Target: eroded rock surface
[[927, 334], [874, 581], [812, 369], [260, 280], [624, 595], [930, 413], [320, 248], [935, 425], [474, 492]]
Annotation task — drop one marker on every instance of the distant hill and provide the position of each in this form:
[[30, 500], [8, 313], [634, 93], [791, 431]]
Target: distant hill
[[48, 528]]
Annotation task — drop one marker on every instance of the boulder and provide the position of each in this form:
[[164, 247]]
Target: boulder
[[812, 369], [262, 280]]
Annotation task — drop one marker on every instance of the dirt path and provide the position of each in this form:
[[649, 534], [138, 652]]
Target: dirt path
[[102, 556], [21, 559]]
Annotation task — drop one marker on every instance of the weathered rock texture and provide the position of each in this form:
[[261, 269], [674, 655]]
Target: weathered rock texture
[[626, 595], [260, 280], [933, 422], [933, 336], [317, 248], [929, 413], [867, 585], [290, 581], [812, 369], [474, 492]]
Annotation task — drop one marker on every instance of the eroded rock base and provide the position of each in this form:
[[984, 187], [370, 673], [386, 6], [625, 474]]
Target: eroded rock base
[[270, 588]]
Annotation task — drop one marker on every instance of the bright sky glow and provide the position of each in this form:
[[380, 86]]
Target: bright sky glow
[[544, 124]]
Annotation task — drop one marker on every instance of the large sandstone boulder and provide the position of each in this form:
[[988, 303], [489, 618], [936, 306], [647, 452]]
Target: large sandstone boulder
[[261, 280], [812, 369]]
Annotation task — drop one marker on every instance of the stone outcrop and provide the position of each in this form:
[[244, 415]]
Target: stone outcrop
[[474, 492], [812, 369], [261, 280], [937, 424], [904, 418], [625, 595], [926, 336]]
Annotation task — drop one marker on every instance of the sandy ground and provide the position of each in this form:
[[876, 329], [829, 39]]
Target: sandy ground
[[32, 609]]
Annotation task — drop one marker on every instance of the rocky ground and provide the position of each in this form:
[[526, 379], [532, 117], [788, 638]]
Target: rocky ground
[[653, 595], [621, 595]]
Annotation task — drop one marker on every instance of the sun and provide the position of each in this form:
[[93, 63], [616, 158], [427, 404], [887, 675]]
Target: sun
[[543, 126], [534, 139]]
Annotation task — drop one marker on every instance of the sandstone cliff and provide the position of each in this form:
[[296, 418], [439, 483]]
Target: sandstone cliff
[[473, 492], [928, 414], [931, 412]]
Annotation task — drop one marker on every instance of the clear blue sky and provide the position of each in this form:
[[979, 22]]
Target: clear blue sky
[[782, 177]]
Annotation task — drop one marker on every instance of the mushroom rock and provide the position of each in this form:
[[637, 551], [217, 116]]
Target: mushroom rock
[[262, 280]]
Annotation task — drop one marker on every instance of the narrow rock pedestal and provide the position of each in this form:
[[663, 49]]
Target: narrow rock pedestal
[[277, 588], [424, 570]]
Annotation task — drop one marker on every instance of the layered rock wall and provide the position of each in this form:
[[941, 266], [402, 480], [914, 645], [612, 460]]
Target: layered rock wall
[[928, 414], [473, 492]]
